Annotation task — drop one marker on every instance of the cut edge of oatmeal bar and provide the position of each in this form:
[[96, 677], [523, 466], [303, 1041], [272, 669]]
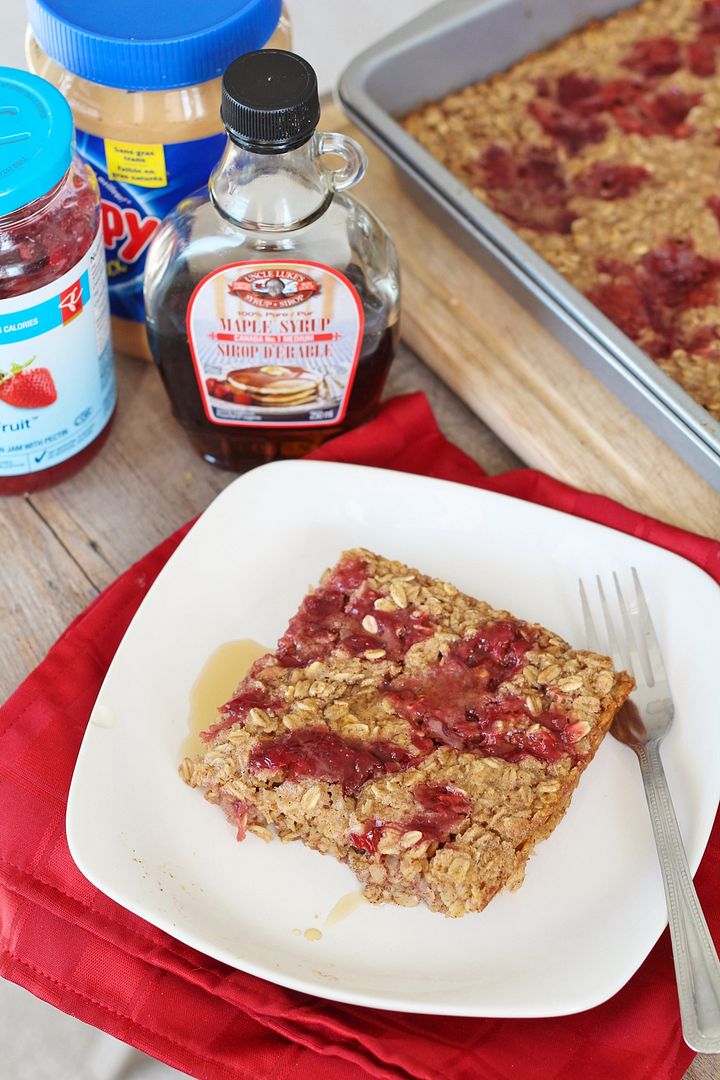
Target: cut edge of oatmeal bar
[[417, 734]]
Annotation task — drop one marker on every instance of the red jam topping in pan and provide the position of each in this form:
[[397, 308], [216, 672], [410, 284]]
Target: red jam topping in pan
[[534, 193], [573, 119], [647, 300], [709, 18], [663, 113], [655, 57], [530, 192], [573, 130], [701, 57], [605, 180]]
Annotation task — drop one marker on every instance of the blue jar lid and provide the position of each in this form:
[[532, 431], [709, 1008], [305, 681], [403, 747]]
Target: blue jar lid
[[36, 138], [150, 44]]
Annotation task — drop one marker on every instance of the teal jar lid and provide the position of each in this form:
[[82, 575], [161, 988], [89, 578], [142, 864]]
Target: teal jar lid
[[36, 138]]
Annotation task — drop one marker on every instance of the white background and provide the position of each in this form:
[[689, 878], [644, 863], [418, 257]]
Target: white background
[[326, 32], [38, 1042]]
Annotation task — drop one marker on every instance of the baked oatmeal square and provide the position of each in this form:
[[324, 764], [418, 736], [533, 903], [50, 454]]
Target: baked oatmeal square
[[419, 735]]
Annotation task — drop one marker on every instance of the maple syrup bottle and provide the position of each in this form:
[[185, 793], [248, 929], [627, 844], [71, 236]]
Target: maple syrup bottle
[[272, 298]]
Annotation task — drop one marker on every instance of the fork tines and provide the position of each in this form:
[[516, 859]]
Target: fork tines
[[636, 648]]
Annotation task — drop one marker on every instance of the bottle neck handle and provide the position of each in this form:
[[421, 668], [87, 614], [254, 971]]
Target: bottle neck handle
[[284, 192]]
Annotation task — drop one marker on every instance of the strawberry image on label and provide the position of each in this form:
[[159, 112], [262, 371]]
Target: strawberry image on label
[[25, 387]]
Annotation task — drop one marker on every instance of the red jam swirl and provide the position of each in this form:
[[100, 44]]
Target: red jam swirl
[[455, 703], [254, 696], [237, 811], [443, 703], [315, 753], [452, 703], [441, 810], [332, 617], [510, 731]]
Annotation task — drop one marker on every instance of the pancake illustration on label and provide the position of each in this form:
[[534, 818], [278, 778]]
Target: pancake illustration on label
[[273, 385]]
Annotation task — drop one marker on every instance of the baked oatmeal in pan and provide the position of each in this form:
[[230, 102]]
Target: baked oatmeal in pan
[[411, 731], [603, 153]]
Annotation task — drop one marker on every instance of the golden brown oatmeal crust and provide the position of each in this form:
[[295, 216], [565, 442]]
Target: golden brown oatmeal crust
[[455, 823]]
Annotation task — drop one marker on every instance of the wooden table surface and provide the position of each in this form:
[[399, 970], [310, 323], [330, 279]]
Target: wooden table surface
[[64, 545]]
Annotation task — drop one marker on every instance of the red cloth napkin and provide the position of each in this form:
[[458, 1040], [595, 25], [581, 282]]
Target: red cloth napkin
[[69, 944]]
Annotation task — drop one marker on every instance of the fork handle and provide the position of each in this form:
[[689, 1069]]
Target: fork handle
[[697, 968]]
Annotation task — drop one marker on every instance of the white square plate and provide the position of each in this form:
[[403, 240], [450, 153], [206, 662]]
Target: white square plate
[[592, 905]]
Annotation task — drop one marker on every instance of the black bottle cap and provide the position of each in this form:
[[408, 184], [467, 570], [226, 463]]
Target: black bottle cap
[[270, 101]]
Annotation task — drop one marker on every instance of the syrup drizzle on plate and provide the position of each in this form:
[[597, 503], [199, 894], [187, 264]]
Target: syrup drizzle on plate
[[344, 907], [216, 684]]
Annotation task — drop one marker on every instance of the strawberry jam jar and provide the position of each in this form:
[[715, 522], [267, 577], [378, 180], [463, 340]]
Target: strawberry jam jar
[[57, 382]]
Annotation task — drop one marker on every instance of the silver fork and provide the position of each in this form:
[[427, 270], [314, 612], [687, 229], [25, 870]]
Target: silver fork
[[641, 724]]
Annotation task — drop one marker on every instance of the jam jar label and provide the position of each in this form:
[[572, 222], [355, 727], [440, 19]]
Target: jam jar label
[[140, 183], [275, 343], [57, 380]]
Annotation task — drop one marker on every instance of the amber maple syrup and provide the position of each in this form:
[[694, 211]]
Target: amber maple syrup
[[345, 906], [215, 684]]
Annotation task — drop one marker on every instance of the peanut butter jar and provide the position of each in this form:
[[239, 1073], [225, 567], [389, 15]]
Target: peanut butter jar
[[143, 79]]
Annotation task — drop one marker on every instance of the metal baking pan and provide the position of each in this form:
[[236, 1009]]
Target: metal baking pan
[[459, 42]]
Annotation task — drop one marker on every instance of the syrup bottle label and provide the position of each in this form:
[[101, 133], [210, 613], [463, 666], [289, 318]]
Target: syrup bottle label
[[275, 344]]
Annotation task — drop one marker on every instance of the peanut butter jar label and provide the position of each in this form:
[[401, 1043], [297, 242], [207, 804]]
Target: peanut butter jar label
[[275, 343], [139, 184]]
